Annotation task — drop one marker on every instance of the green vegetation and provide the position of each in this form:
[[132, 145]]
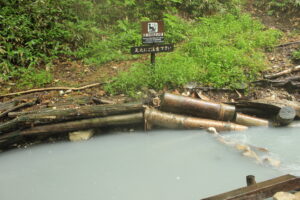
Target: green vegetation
[[213, 47], [296, 55], [34, 33], [220, 51], [275, 6]]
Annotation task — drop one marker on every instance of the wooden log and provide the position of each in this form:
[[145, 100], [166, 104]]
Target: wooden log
[[102, 101], [247, 120], [271, 107], [286, 115], [42, 110], [9, 139], [8, 105], [262, 190], [28, 104], [168, 120], [197, 107], [71, 114], [250, 111], [117, 120], [48, 130]]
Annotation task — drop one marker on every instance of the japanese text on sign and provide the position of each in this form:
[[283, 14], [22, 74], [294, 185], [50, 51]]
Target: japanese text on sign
[[152, 49]]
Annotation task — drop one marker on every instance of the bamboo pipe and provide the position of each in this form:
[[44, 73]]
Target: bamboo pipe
[[247, 120], [168, 120], [197, 107]]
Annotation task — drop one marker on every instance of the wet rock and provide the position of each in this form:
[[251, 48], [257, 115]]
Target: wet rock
[[80, 135], [284, 196], [273, 162]]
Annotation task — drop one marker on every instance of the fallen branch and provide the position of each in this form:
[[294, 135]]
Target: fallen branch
[[289, 83], [51, 89], [284, 72], [102, 101], [18, 107], [287, 44], [8, 105]]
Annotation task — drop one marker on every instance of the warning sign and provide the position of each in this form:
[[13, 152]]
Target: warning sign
[[153, 32], [152, 49]]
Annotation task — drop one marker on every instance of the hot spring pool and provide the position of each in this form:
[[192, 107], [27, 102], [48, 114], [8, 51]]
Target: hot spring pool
[[156, 165]]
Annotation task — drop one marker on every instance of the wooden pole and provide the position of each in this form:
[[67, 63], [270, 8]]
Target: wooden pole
[[250, 179], [153, 58], [196, 107], [247, 120], [169, 120]]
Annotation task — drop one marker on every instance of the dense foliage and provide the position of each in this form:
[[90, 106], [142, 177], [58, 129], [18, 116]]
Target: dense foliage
[[221, 51], [296, 55], [33, 33], [275, 6]]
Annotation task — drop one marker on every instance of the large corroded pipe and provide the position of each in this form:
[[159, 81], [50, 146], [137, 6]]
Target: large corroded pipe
[[247, 120], [168, 120], [197, 107]]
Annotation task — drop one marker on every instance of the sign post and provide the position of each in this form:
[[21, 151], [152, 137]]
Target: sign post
[[153, 37]]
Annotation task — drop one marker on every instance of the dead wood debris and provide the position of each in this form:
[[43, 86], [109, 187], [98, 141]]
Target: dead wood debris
[[51, 89], [172, 111]]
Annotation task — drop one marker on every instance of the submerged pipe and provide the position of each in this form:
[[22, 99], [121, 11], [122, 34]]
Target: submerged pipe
[[175, 121], [247, 120], [197, 107]]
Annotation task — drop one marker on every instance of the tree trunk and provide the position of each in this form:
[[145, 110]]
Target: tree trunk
[[18, 107], [47, 130], [136, 118], [55, 116]]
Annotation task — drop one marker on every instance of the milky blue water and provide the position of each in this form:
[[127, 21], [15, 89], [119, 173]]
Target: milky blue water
[[133, 166]]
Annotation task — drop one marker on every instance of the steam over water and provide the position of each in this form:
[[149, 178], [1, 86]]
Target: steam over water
[[140, 166]]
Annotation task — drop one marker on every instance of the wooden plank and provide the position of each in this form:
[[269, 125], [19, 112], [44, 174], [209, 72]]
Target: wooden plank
[[262, 190]]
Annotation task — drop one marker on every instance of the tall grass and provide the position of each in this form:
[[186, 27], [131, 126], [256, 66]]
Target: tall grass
[[219, 51]]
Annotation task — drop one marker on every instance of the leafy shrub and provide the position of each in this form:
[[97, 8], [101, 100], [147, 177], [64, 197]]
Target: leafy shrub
[[221, 51], [34, 32], [287, 6], [296, 55]]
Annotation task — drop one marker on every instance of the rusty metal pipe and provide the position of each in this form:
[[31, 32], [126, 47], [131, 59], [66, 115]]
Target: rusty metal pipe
[[197, 107], [247, 120], [175, 121]]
